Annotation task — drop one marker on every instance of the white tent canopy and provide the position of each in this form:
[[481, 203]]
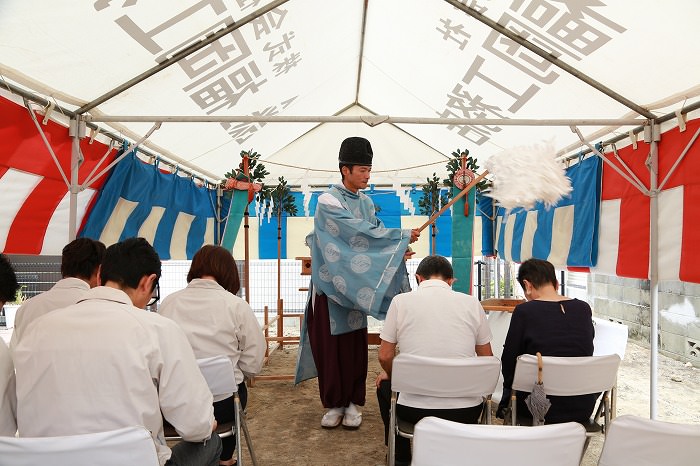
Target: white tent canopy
[[501, 71], [309, 58]]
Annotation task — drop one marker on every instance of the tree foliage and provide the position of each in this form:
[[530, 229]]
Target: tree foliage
[[433, 199], [282, 199], [455, 164]]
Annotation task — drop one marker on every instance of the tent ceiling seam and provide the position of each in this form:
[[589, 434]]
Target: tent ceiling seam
[[179, 56], [360, 59], [552, 59]]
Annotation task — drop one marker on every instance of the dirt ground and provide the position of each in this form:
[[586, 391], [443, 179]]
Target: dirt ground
[[284, 419]]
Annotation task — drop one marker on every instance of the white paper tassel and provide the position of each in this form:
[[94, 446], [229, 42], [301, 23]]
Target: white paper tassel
[[270, 208], [525, 175]]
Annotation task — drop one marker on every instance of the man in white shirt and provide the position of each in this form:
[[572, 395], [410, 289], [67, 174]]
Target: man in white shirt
[[431, 321], [80, 268], [8, 400], [105, 363]]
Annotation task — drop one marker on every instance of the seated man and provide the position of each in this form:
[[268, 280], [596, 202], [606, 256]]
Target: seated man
[[105, 363], [431, 321], [8, 400], [80, 269]]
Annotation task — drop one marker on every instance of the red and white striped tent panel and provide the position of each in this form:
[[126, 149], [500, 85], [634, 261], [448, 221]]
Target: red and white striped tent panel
[[624, 244], [34, 209]]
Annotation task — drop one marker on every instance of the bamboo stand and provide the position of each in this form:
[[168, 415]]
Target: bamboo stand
[[246, 226]]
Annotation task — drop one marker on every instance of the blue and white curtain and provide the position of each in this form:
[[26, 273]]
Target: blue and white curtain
[[567, 234], [172, 212]]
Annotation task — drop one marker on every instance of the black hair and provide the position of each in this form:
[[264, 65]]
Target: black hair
[[538, 272], [126, 262], [340, 167], [8, 280], [81, 257], [435, 266]]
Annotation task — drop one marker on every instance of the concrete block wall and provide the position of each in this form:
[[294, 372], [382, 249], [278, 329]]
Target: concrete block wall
[[627, 301]]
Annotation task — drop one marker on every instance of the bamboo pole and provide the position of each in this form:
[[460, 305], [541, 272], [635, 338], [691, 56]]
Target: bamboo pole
[[280, 304]]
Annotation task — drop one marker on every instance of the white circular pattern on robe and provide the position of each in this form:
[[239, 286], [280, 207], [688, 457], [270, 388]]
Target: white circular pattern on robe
[[388, 274], [331, 252], [360, 263], [333, 324], [332, 228], [339, 284], [365, 296], [359, 243], [389, 249], [324, 274], [355, 319], [357, 213]]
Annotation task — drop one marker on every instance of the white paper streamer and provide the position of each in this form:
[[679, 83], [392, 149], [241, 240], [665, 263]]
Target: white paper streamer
[[270, 208]]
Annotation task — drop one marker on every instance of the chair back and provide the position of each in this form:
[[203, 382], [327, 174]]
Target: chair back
[[445, 377], [645, 442], [218, 372], [438, 441], [567, 376], [610, 338], [129, 445]]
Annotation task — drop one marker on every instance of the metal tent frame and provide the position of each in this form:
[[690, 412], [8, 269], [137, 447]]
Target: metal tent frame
[[80, 121]]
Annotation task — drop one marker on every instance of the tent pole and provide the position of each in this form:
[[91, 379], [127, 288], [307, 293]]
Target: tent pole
[[550, 57], [654, 137], [662, 119], [76, 130], [370, 120], [47, 143], [217, 219], [180, 55]]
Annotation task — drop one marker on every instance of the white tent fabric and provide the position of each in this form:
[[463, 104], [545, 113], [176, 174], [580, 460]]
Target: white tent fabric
[[502, 70], [408, 58]]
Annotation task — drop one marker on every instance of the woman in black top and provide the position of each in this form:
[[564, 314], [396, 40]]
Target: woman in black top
[[554, 325]]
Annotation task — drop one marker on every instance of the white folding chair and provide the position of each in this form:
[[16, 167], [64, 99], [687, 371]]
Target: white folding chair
[[442, 378], [644, 442], [218, 372], [128, 445], [610, 338], [447, 443], [567, 376]]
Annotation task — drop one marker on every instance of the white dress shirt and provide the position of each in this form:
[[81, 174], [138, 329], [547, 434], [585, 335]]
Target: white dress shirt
[[8, 399], [218, 323], [64, 293], [436, 321], [102, 364]]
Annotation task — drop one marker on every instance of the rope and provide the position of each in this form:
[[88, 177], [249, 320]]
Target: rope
[[335, 171]]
